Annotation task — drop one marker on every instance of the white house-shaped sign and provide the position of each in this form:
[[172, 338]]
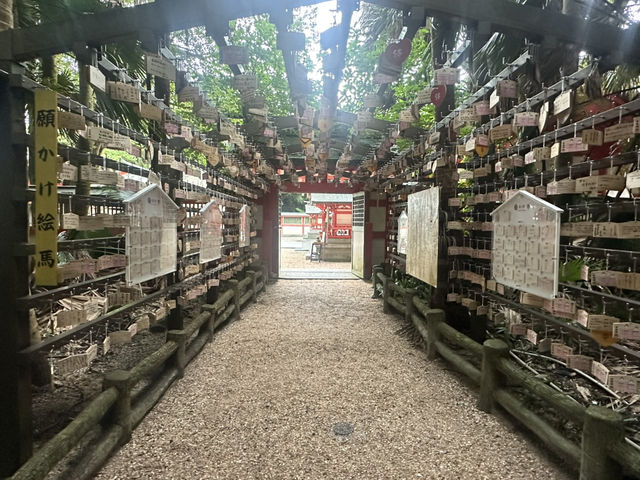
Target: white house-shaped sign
[[403, 232], [526, 244], [152, 235], [245, 226], [210, 232]]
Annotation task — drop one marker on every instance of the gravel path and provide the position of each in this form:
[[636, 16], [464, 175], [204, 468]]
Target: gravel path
[[293, 259], [260, 402]]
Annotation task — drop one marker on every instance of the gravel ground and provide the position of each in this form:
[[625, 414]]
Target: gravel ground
[[260, 401], [292, 259]]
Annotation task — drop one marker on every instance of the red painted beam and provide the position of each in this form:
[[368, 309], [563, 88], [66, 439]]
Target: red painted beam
[[320, 188]]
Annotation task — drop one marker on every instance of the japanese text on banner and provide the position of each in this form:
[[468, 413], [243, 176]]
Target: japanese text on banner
[[46, 194]]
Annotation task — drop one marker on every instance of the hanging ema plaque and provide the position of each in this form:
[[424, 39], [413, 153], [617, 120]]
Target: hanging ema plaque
[[403, 230], [526, 244], [151, 238], [245, 226], [210, 232]]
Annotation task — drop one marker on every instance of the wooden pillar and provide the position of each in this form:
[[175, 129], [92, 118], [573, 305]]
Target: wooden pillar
[[236, 297], [175, 320], [408, 305], [270, 230], [491, 379], [121, 380], [434, 319], [179, 359], [374, 279], [212, 319], [15, 375], [386, 292], [603, 429], [254, 289], [265, 277], [83, 187], [212, 295]]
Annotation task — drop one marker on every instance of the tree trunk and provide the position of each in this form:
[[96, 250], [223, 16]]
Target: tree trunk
[[443, 39], [49, 71], [85, 97], [6, 14]]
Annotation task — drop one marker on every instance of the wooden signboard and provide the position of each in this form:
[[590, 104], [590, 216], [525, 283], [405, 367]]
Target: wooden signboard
[[423, 234], [46, 187]]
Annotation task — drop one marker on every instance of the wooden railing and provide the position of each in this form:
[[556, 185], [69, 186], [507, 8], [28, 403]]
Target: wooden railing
[[123, 403], [603, 454]]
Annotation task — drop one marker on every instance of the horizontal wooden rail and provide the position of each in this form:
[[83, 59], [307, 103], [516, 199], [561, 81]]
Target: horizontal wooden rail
[[558, 400], [95, 454], [459, 339], [152, 395], [197, 323], [245, 297], [458, 361], [545, 432], [153, 361], [224, 316], [59, 446], [195, 346], [627, 456], [396, 304]]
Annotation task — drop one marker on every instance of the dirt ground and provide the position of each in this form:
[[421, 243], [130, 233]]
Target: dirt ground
[[293, 259], [264, 400]]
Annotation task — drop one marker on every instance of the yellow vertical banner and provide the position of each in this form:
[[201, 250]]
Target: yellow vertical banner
[[46, 183]]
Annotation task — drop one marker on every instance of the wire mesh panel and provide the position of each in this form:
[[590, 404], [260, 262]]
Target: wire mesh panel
[[211, 232], [422, 235], [152, 235]]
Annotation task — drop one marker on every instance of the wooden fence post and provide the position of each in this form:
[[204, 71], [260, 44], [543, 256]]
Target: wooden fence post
[[121, 380], [386, 291], [408, 304], [603, 429], [375, 281], [491, 379], [212, 319], [236, 297], [265, 277], [179, 360], [434, 318], [254, 282]]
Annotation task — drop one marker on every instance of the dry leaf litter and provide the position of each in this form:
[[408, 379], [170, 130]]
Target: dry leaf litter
[[262, 399]]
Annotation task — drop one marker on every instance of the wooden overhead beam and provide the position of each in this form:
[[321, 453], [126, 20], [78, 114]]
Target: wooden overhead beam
[[161, 17], [599, 39], [166, 16]]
